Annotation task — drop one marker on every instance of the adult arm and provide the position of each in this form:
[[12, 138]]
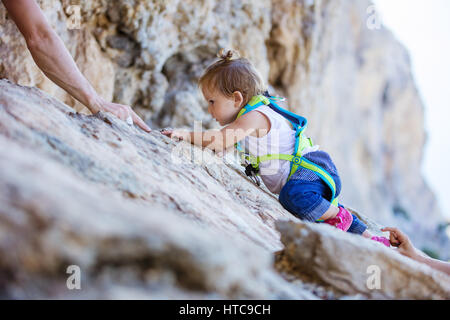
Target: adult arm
[[52, 57]]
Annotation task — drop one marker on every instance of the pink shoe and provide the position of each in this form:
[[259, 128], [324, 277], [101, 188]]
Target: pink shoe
[[382, 240], [342, 221]]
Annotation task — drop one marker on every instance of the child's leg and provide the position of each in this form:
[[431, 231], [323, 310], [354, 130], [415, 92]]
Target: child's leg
[[330, 213], [367, 234], [305, 200], [358, 227]]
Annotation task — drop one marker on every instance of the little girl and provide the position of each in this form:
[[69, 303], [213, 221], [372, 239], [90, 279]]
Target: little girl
[[232, 86]]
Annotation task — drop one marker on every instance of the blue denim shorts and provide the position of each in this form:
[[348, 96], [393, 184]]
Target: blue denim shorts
[[309, 198]]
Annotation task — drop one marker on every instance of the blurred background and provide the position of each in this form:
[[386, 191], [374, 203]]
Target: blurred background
[[424, 28]]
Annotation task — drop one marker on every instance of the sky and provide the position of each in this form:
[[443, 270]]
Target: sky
[[423, 26]]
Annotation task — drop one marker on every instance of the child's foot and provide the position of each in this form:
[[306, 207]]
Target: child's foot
[[382, 240], [342, 221]]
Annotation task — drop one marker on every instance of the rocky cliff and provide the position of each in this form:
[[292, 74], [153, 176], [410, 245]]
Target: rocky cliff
[[143, 216]]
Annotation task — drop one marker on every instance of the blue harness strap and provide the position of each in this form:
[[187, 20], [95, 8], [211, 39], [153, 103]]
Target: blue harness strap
[[298, 122]]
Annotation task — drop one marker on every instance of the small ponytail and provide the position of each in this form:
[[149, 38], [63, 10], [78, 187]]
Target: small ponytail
[[228, 55]]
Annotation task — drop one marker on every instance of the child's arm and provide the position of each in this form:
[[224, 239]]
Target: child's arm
[[220, 140]]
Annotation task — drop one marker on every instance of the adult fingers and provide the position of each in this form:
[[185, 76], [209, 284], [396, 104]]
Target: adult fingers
[[391, 229], [121, 112], [399, 235], [127, 114], [393, 239], [141, 124]]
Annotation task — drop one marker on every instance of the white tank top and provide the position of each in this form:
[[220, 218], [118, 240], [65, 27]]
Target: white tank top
[[280, 139]]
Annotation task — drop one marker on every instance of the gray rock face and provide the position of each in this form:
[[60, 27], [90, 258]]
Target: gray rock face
[[92, 192], [354, 84], [141, 219]]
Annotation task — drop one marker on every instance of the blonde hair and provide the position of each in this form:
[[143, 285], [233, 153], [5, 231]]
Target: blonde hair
[[232, 73]]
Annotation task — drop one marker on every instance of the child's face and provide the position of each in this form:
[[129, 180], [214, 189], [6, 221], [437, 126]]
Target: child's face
[[223, 109]]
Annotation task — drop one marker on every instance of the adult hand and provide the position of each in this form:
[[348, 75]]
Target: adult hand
[[122, 112], [402, 242], [405, 247]]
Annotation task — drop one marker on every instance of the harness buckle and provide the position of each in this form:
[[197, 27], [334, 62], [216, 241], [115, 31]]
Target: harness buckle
[[251, 172], [297, 160]]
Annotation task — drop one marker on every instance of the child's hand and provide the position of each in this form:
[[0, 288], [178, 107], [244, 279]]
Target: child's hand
[[176, 134]]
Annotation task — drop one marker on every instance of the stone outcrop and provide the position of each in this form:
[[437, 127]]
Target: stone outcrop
[[354, 266], [91, 191]]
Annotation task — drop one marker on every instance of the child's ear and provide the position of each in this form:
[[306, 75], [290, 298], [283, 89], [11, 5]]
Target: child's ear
[[238, 99]]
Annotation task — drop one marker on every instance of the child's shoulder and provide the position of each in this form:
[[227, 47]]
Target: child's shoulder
[[275, 119], [256, 121]]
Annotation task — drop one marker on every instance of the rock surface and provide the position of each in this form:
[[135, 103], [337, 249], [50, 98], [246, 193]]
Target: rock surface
[[91, 191], [150, 53], [354, 266], [145, 217]]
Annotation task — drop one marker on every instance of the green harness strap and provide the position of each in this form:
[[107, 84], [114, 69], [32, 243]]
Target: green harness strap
[[299, 124]]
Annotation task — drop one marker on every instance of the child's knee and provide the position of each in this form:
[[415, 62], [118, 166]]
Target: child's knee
[[300, 203]]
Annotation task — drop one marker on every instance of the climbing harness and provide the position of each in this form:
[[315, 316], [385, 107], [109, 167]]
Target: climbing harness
[[251, 172], [299, 124]]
